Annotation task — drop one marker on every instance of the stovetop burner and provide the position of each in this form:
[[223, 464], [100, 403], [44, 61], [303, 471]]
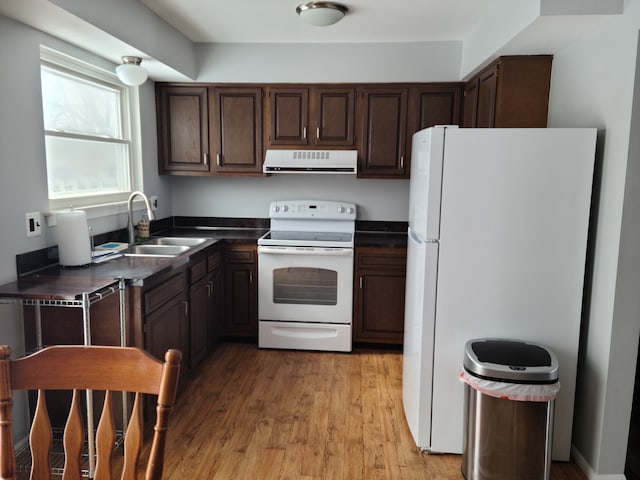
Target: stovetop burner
[[304, 239], [311, 223]]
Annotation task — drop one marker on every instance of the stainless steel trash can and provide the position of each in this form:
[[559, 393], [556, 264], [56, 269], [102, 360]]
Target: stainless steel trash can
[[510, 388]]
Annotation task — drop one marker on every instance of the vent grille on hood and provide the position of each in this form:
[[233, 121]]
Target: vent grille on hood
[[311, 161]]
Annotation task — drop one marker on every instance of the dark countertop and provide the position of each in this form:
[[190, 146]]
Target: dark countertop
[[59, 283], [381, 234], [56, 284], [381, 239]]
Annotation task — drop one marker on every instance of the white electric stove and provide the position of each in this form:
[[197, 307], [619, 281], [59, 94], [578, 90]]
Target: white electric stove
[[305, 276]]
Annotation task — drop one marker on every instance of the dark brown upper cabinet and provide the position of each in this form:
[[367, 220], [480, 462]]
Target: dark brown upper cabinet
[[513, 91], [383, 132], [436, 105], [222, 129], [236, 129], [183, 133], [317, 116], [431, 105]]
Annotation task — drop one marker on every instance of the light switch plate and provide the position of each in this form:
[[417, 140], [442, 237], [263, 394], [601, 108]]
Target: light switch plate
[[34, 225]]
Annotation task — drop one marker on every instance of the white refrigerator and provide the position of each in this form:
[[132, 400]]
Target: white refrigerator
[[498, 222]]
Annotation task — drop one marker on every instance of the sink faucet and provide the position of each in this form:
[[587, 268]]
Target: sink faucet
[[150, 214]]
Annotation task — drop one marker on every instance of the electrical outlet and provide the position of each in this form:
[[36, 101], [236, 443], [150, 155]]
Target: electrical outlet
[[34, 226], [154, 202]]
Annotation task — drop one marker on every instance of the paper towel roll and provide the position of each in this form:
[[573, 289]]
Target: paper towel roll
[[74, 246]]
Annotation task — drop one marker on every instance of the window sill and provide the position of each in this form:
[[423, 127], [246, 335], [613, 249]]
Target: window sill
[[97, 211]]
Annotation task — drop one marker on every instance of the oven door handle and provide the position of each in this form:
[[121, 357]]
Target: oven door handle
[[333, 252]]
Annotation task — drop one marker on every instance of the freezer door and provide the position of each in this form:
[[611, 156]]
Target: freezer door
[[425, 184], [420, 297]]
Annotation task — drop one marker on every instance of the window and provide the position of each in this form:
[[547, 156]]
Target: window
[[92, 152]]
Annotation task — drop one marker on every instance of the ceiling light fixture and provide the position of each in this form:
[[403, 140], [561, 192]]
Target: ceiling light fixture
[[321, 14], [130, 72]]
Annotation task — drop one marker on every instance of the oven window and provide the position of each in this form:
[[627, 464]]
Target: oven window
[[307, 286]]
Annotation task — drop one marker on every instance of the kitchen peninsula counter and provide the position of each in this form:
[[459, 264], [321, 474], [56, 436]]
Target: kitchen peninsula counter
[[69, 283]]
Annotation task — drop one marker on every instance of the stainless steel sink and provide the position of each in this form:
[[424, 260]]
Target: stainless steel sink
[[176, 241], [155, 250]]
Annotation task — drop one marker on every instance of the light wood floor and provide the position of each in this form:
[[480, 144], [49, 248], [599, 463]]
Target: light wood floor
[[268, 414]]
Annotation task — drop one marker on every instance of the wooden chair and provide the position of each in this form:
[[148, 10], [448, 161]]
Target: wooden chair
[[78, 368]]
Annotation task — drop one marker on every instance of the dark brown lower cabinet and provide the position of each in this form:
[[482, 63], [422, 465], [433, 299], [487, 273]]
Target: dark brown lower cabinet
[[216, 297], [379, 295], [240, 291], [166, 317], [199, 299]]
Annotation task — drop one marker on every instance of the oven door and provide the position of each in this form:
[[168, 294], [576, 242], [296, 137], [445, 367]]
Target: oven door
[[305, 284]]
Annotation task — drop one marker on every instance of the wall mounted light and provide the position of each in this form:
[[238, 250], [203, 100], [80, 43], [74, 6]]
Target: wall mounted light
[[130, 72], [321, 14]]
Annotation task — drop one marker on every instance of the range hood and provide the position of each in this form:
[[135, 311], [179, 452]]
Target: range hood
[[311, 161]]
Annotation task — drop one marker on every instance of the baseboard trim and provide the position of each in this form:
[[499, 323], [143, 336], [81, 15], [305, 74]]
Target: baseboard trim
[[588, 471]]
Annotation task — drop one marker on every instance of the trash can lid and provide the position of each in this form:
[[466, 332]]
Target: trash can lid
[[512, 361]]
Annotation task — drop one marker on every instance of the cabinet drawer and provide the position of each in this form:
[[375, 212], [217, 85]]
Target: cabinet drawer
[[237, 255], [214, 261], [383, 258], [161, 294], [198, 271]]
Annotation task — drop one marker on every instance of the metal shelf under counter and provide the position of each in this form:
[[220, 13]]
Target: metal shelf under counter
[[69, 292]]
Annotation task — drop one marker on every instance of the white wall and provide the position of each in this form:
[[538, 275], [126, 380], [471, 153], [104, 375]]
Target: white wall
[[23, 182], [250, 197], [592, 85], [330, 62]]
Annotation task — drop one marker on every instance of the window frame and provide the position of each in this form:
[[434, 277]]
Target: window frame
[[131, 132]]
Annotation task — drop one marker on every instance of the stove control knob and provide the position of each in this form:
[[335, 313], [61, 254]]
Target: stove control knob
[[341, 209], [276, 208], [285, 208], [350, 210]]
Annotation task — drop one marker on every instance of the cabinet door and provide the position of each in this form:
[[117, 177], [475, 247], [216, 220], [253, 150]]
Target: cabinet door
[[241, 292], [241, 317], [379, 295], [199, 299], [429, 106], [183, 129], [334, 112], [470, 117], [216, 308], [383, 126], [289, 116], [236, 129], [487, 91], [167, 328], [437, 105]]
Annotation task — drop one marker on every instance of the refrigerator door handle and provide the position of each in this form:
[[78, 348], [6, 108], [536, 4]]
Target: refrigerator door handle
[[414, 236]]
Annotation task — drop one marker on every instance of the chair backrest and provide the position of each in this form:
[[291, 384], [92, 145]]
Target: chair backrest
[[82, 369]]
